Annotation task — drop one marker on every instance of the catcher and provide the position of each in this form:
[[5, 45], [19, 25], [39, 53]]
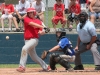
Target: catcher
[[63, 45]]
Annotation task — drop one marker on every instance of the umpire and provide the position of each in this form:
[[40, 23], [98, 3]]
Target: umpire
[[86, 41]]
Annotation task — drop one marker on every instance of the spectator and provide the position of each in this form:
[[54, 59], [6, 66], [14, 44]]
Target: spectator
[[94, 10], [86, 41], [33, 28], [20, 10], [30, 1], [83, 4], [74, 10], [40, 8], [58, 14], [66, 3], [7, 12]]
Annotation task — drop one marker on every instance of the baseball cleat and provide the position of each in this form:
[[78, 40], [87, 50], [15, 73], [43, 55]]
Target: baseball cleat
[[46, 70], [21, 69], [79, 67]]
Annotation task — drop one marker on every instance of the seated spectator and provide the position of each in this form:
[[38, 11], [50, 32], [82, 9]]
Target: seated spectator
[[74, 10], [94, 10], [58, 14], [20, 10], [40, 8], [7, 12], [30, 1], [83, 4]]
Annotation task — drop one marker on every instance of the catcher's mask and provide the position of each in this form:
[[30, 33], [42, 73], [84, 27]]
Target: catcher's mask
[[31, 10], [60, 33], [83, 16]]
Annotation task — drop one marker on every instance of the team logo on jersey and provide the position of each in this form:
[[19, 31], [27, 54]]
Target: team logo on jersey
[[22, 9]]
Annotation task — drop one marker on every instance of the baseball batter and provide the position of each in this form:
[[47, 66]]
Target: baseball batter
[[33, 27]]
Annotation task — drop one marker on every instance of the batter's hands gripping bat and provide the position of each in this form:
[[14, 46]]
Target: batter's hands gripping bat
[[44, 55], [46, 28]]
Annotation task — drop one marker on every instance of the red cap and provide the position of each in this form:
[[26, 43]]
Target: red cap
[[31, 10]]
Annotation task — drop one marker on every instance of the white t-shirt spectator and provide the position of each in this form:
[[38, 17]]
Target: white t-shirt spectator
[[66, 2], [22, 7], [39, 8]]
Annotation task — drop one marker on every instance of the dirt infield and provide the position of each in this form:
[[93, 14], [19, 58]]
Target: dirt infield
[[37, 71]]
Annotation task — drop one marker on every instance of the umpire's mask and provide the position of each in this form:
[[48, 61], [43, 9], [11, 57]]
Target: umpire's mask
[[60, 33], [83, 16]]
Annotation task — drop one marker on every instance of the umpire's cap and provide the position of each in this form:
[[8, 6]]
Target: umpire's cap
[[31, 10]]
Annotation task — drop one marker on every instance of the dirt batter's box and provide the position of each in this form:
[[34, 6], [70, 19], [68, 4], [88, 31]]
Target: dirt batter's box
[[9, 1]]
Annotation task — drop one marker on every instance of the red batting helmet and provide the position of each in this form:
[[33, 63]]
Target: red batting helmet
[[31, 10]]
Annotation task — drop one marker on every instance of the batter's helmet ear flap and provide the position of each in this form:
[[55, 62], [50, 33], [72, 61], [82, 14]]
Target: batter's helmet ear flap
[[34, 12]]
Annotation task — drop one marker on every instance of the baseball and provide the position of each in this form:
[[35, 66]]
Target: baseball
[[7, 37]]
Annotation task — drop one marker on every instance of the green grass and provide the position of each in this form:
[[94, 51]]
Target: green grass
[[38, 66], [48, 17]]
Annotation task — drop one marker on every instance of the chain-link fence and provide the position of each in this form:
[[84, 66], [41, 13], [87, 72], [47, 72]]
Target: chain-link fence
[[48, 13]]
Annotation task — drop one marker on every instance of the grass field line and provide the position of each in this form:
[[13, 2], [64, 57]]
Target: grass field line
[[38, 66]]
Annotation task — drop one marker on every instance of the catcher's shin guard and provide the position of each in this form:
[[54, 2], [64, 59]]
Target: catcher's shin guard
[[53, 62], [65, 64]]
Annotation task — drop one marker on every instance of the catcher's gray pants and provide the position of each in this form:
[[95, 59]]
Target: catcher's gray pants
[[68, 58], [29, 47], [93, 49]]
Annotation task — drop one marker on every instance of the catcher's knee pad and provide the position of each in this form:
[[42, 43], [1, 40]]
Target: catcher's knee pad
[[55, 57]]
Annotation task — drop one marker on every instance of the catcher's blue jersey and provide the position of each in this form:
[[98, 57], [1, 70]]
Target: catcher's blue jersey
[[66, 46]]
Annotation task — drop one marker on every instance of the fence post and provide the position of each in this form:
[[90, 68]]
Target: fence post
[[46, 21]]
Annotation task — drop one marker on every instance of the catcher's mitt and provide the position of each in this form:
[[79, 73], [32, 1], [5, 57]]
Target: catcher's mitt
[[44, 55], [46, 29]]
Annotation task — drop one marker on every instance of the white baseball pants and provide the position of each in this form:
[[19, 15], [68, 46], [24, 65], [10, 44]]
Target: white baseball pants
[[29, 48]]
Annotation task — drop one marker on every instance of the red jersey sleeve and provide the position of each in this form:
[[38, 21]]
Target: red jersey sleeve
[[38, 22]]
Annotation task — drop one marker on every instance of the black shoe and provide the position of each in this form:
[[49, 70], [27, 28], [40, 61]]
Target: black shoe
[[17, 30], [9, 30], [69, 69], [70, 29], [97, 68], [79, 67], [2, 30]]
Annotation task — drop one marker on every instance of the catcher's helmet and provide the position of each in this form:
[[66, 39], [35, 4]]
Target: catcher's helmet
[[63, 33], [31, 10], [83, 16]]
